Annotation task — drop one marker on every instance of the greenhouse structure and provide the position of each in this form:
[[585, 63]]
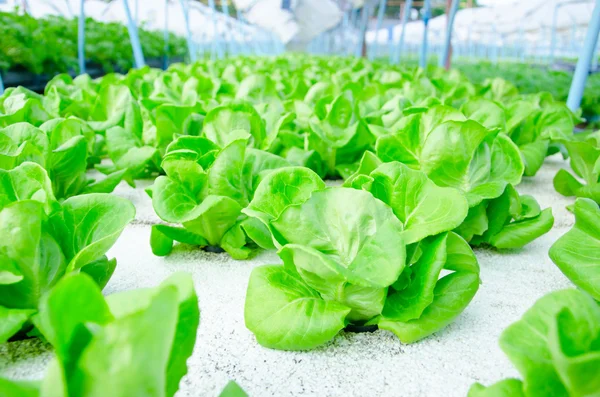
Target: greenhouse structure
[[299, 198]]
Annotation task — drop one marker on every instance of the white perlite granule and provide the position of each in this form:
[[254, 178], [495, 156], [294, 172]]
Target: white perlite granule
[[369, 364]]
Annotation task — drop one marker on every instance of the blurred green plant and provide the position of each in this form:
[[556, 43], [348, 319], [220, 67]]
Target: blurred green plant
[[49, 45]]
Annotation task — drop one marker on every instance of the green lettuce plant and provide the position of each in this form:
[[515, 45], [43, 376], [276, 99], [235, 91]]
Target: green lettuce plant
[[22, 105], [351, 258], [45, 240], [481, 162], [532, 122], [205, 190], [336, 134], [556, 348], [584, 155], [577, 252], [90, 333], [63, 148]]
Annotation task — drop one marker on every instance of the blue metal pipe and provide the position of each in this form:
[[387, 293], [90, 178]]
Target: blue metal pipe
[[445, 58], [166, 36], [69, 7], [363, 28], [594, 65], [1, 85], [426, 17], [353, 17], [216, 46], [138, 54], [380, 13], [188, 32], [553, 37], [585, 57], [224, 7], [405, 15], [81, 38]]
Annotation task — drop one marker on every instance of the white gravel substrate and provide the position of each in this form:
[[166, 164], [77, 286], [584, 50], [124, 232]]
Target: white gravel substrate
[[376, 364]]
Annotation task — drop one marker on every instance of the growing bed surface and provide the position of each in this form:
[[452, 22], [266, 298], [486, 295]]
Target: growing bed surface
[[368, 364]]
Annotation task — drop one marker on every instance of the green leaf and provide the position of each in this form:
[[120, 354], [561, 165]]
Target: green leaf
[[426, 303], [11, 388], [534, 154], [258, 232], [28, 181], [459, 155], [294, 317], [11, 322], [505, 388], [144, 370], [162, 237], [157, 324], [22, 142], [225, 124], [424, 208], [577, 252], [353, 228], [452, 294], [232, 389], [172, 201], [74, 301], [487, 113], [213, 218], [31, 252], [280, 189], [531, 343], [106, 185], [520, 233], [170, 119], [93, 223]]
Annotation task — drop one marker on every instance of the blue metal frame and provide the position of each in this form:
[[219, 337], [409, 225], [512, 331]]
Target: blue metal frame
[[405, 15], [585, 58], [166, 36], [188, 32], [444, 59], [81, 37], [138, 54], [426, 17], [380, 13], [353, 17], [554, 27], [69, 7], [364, 20], [216, 41], [1, 85]]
